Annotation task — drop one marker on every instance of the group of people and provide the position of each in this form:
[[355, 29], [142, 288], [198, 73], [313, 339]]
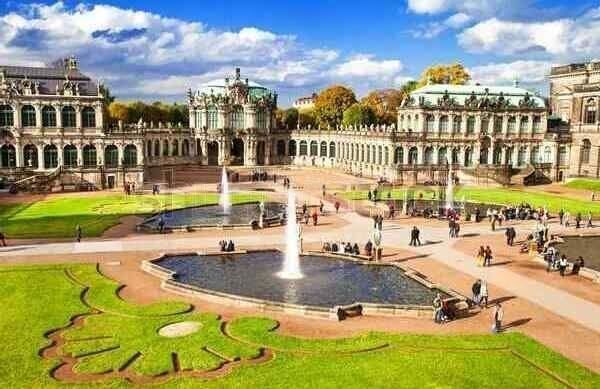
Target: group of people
[[555, 261], [306, 215], [256, 176], [415, 237], [510, 234], [129, 188], [155, 189], [441, 310], [480, 293], [484, 256], [341, 248], [453, 226], [564, 218], [287, 184], [227, 246], [378, 222]]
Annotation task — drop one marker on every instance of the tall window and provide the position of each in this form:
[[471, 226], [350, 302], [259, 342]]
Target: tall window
[[88, 117], [237, 118], [175, 148], [185, 148], [48, 116], [165, 152], [523, 126], [89, 156], [429, 122], [586, 147], [497, 124], [331, 149], [323, 150], [28, 116], [456, 122], [68, 115], [399, 156], [130, 156], [261, 119], [512, 125], [537, 124], [111, 156], [313, 148], [50, 157], [6, 115], [470, 124], [590, 114], [70, 156], [443, 124], [292, 148], [485, 125], [212, 120], [303, 147]]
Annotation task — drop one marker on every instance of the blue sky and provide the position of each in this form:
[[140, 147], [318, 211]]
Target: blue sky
[[156, 50]]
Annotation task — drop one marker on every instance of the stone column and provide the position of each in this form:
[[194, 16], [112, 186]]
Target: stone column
[[463, 124], [192, 119], [477, 124], [99, 154], [17, 110], [405, 150], [38, 116], [421, 152], [99, 117], [78, 118], [436, 124], [18, 153], [40, 153], [476, 154], [140, 153], [505, 118], [490, 156], [79, 147], [58, 110], [60, 152], [530, 125], [121, 152]]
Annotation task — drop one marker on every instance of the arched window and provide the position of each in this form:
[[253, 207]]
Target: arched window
[[468, 156], [497, 157], [7, 156], [537, 124], [303, 147], [30, 156], [547, 154], [88, 117], [443, 125], [130, 156], [413, 156], [331, 149], [280, 148], [111, 156], [48, 116], [522, 156], [198, 148], [586, 147], [165, 151], [379, 155], [386, 155], [69, 156], [497, 124], [68, 116], [292, 148], [524, 124], [261, 119], [428, 157], [89, 156], [185, 148], [512, 125], [157, 148], [6, 116], [323, 149], [399, 156], [442, 156], [563, 156], [429, 123], [485, 125], [212, 118], [175, 148], [535, 154], [313, 148], [50, 157], [590, 112], [455, 152], [28, 116], [456, 122], [470, 124], [237, 118]]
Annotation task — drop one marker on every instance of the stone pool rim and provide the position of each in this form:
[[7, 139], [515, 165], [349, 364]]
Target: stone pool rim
[[267, 222], [586, 272], [169, 283]]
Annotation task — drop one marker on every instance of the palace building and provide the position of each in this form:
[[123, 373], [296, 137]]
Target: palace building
[[52, 123]]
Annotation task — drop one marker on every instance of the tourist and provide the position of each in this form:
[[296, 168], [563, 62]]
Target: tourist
[[315, 218], [78, 233], [561, 216], [368, 248], [510, 236], [304, 209], [356, 249], [483, 294], [348, 248], [438, 316], [334, 247], [161, 225], [456, 229], [321, 207], [477, 215], [480, 256], [498, 316], [369, 196], [450, 227], [578, 220], [337, 206], [549, 257], [579, 263], [2, 239], [414, 237], [375, 194], [392, 210], [567, 221], [562, 265], [476, 289], [589, 220], [223, 245], [306, 218], [231, 246], [323, 188], [487, 260], [593, 196]]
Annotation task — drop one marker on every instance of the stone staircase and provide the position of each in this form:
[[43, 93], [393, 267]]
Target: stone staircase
[[38, 183]]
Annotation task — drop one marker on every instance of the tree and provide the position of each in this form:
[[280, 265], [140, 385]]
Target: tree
[[445, 74], [287, 118], [118, 111], [307, 117], [331, 104], [409, 86], [384, 104], [358, 114]]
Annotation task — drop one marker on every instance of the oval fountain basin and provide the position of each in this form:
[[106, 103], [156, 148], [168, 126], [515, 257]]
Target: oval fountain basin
[[327, 282], [212, 215]]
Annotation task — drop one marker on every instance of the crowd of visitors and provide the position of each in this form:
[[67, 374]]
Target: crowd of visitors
[[227, 246], [347, 248], [559, 262]]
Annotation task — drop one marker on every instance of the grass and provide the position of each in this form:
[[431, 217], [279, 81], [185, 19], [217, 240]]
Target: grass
[[585, 184], [58, 216], [36, 299], [504, 196]]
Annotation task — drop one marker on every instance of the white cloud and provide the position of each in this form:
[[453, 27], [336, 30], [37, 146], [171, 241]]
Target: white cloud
[[473, 8], [145, 55], [527, 72], [458, 20], [433, 29]]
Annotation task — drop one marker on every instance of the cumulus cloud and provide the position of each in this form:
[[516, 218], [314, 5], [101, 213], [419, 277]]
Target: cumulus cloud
[[527, 72], [148, 55], [433, 29], [473, 8]]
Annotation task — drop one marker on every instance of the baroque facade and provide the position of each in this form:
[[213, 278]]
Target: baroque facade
[[52, 119]]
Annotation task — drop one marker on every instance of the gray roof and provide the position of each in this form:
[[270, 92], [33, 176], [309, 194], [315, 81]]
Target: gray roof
[[49, 77], [460, 93]]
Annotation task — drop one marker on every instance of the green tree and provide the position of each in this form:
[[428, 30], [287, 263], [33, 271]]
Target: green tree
[[331, 104], [306, 117], [409, 86], [445, 74], [384, 103], [286, 118], [358, 114]]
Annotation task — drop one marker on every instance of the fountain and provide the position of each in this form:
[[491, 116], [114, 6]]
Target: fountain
[[450, 189], [224, 200], [291, 263], [405, 203]]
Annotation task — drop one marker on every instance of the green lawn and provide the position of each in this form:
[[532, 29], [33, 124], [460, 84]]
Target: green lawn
[[586, 184], [37, 299], [495, 196], [58, 216]]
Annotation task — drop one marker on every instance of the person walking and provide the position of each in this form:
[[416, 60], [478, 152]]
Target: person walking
[[161, 225], [438, 316], [337, 206], [498, 316], [562, 265], [78, 233], [567, 219], [488, 256], [2, 239], [476, 289], [315, 218], [578, 220], [480, 256], [483, 294], [561, 216], [589, 220]]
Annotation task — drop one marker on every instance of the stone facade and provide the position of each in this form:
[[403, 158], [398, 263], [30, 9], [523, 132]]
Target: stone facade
[[575, 102]]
